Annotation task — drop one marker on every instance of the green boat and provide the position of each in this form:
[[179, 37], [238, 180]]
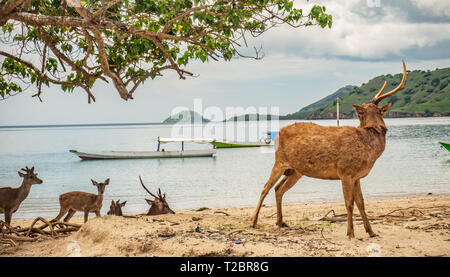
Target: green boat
[[222, 144], [445, 144]]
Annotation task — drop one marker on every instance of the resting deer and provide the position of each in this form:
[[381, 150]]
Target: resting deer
[[74, 201], [11, 198], [335, 153], [159, 205], [116, 208]]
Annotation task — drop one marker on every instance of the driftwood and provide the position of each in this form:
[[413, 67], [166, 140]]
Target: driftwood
[[403, 217], [11, 235]]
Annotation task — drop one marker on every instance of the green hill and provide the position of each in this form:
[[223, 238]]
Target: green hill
[[308, 110], [185, 117], [426, 93]]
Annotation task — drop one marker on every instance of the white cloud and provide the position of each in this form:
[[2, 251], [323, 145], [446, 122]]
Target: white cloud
[[359, 32], [435, 7]]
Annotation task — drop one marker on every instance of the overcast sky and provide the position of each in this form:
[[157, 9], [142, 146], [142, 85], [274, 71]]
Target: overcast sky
[[303, 65]]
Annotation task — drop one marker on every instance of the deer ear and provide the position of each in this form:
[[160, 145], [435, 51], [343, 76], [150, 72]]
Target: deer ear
[[21, 174], [106, 182], [123, 204], [94, 182], [384, 109], [359, 109], [149, 201]]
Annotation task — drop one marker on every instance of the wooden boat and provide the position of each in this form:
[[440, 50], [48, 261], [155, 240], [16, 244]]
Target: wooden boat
[[224, 144], [158, 154], [446, 145], [265, 141]]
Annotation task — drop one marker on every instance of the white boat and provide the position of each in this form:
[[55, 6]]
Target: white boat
[[159, 153]]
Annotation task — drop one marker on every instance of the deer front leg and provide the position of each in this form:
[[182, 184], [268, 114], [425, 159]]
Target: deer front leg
[[283, 186], [359, 200], [348, 188]]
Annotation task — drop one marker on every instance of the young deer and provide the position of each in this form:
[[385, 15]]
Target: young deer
[[159, 205], [74, 201], [11, 198], [116, 208], [335, 153]]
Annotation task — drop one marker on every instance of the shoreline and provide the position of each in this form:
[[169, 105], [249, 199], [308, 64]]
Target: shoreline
[[414, 226], [286, 202]]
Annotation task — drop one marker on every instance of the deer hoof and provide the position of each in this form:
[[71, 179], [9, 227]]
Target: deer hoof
[[282, 225], [372, 235]]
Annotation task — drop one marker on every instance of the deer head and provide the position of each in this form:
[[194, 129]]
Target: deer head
[[159, 205], [116, 208], [100, 186], [370, 115], [29, 176]]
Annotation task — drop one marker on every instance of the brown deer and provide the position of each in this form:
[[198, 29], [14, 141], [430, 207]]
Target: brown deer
[[159, 205], [116, 208], [334, 153], [74, 201], [11, 198]]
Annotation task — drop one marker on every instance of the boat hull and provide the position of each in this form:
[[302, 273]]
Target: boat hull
[[445, 144], [144, 154], [221, 144]]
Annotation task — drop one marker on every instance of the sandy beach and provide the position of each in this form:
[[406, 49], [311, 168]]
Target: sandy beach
[[405, 227]]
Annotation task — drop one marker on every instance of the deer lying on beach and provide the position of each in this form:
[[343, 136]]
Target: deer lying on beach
[[159, 205], [74, 201], [335, 153], [11, 198], [116, 208]]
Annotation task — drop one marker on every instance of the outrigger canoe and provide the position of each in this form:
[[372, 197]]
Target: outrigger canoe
[[446, 145], [158, 154]]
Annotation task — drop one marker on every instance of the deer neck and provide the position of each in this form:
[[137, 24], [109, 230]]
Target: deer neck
[[376, 138], [24, 190], [99, 197]]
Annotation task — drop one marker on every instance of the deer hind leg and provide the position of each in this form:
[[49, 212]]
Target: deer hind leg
[[359, 200], [348, 187], [69, 215], [280, 189], [97, 213], [8, 216], [86, 215], [62, 211], [274, 176]]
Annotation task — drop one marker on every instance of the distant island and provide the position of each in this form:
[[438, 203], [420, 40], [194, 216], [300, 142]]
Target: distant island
[[184, 117]]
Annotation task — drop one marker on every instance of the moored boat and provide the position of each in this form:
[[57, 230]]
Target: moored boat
[[446, 145], [159, 153], [265, 141]]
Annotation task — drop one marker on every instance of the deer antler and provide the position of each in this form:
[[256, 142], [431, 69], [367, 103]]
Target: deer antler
[[378, 97], [142, 183]]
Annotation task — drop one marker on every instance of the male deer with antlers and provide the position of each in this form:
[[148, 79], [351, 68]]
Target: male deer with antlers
[[74, 201], [345, 153], [159, 205], [11, 198]]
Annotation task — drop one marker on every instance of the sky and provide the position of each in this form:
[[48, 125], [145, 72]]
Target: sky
[[301, 65]]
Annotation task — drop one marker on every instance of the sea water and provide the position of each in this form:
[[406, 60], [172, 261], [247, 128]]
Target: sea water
[[413, 164]]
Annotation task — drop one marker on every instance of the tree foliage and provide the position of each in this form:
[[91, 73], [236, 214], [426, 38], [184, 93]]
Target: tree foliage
[[74, 43]]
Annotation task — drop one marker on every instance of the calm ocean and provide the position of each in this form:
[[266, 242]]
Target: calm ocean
[[413, 163]]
